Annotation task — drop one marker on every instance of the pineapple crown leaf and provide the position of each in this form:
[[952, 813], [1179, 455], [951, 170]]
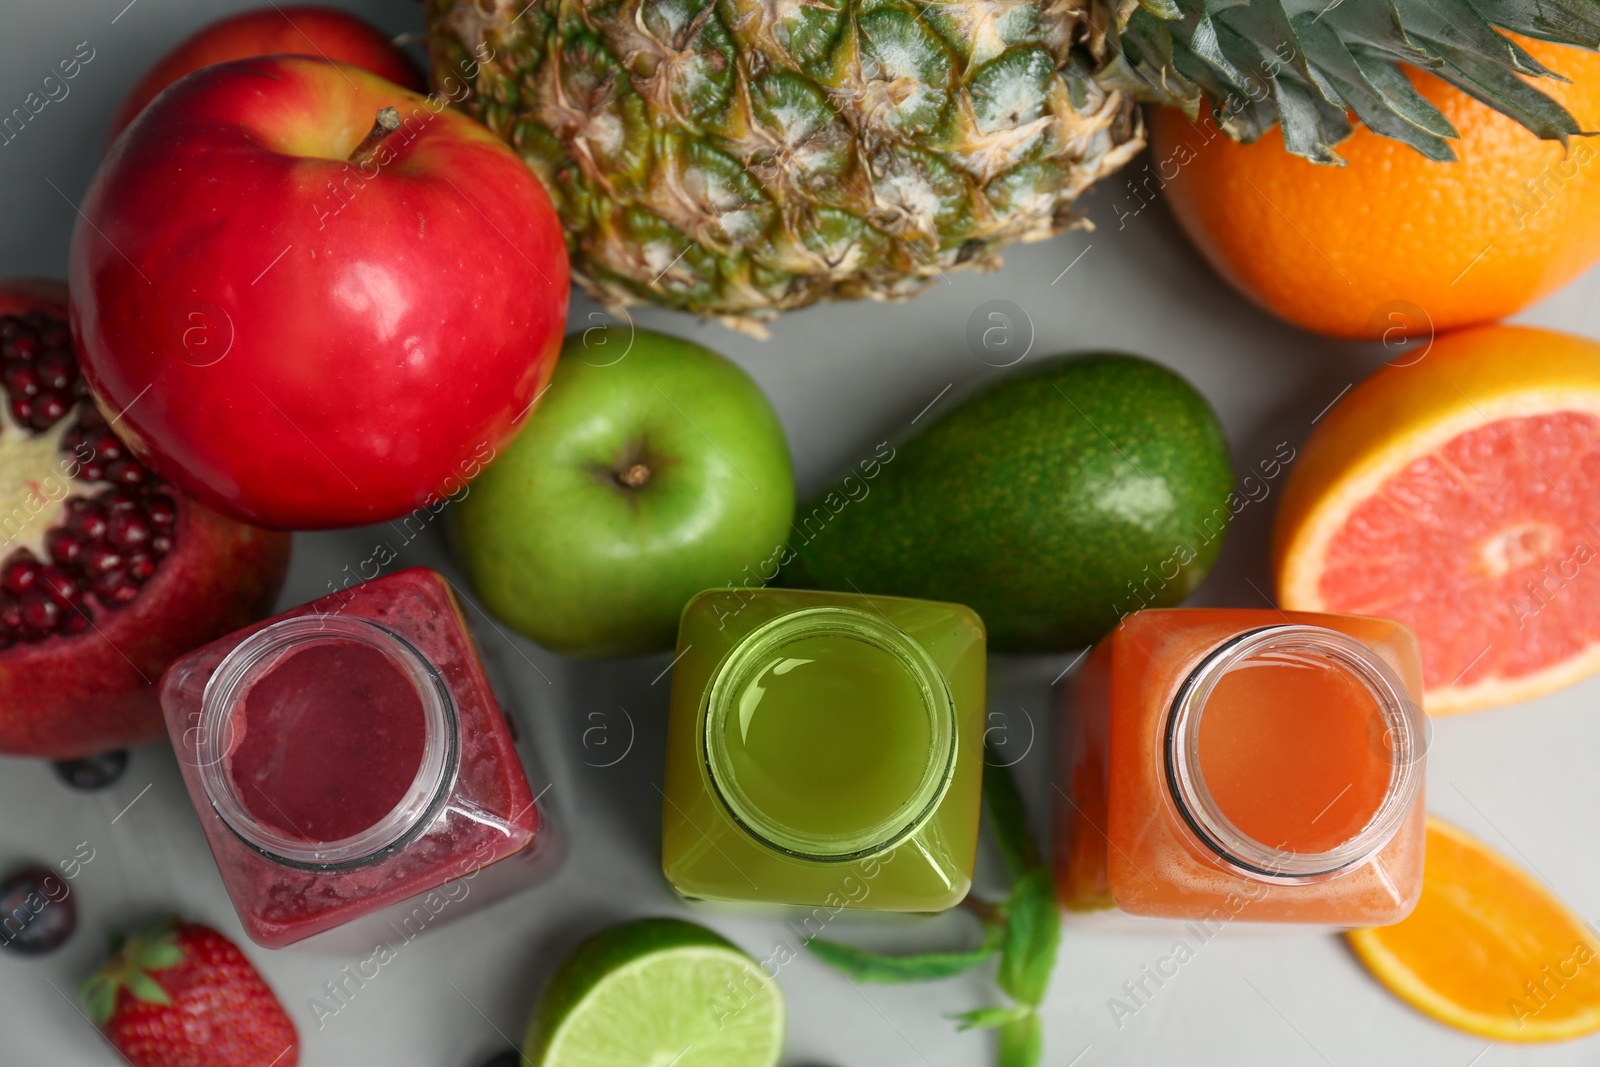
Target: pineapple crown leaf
[[1306, 65], [129, 967]]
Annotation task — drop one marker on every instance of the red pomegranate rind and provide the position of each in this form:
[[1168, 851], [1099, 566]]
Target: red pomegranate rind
[[1485, 547], [127, 577]]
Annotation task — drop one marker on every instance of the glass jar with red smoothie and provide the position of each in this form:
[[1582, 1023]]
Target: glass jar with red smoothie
[[349, 761]]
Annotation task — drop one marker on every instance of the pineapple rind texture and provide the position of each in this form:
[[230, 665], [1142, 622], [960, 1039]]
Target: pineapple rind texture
[[736, 158]]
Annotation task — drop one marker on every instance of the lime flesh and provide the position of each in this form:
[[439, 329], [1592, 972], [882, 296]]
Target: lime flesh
[[658, 993]]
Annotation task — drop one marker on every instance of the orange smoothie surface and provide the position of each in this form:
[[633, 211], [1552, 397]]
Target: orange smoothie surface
[[1292, 749]]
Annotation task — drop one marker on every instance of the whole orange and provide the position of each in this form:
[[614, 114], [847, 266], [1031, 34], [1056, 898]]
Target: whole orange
[[1393, 242]]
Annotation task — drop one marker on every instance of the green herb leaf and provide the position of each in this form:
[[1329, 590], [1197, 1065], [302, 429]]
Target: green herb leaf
[[1033, 931], [1008, 816], [862, 966], [1022, 1042], [989, 1018]]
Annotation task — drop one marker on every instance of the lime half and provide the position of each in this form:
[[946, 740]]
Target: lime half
[[657, 993]]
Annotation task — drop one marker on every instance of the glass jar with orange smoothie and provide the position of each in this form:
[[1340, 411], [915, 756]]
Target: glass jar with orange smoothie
[[1251, 766]]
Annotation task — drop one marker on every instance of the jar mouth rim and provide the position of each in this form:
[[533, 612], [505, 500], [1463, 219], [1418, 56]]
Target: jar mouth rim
[[1405, 748], [256, 657], [751, 656]]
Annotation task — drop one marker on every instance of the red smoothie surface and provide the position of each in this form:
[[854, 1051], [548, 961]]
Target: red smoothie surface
[[333, 735]]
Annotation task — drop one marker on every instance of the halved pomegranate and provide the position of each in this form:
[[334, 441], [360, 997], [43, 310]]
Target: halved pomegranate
[[107, 573]]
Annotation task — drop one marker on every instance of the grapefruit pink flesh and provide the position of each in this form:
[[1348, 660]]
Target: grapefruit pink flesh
[[1487, 546]]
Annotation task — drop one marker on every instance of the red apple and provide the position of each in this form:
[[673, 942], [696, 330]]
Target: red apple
[[302, 29], [106, 574], [298, 328]]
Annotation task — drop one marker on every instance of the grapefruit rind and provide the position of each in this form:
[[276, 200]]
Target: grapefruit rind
[[1400, 979]]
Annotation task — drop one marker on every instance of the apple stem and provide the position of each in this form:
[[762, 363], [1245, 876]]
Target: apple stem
[[635, 476], [387, 122]]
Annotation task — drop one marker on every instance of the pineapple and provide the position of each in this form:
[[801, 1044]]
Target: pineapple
[[737, 158]]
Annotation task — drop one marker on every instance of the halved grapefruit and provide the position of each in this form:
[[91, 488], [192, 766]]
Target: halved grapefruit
[[1460, 494]]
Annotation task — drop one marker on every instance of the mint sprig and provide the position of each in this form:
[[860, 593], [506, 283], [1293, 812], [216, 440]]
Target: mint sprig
[[862, 966], [1025, 929]]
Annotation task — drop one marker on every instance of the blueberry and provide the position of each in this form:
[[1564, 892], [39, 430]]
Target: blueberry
[[37, 912], [93, 772], [508, 1058]]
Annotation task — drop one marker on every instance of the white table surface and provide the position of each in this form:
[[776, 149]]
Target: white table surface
[[842, 377]]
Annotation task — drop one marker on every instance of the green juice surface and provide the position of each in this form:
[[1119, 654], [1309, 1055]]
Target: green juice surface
[[830, 739]]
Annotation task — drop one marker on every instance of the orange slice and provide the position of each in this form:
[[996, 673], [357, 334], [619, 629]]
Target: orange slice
[[1487, 949], [1458, 491]]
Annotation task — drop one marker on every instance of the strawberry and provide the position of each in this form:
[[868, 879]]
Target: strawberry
[[182, 995]]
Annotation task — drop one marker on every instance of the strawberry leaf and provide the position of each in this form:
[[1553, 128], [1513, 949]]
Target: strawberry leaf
[[159, 955], [98, 995], [145, 988]]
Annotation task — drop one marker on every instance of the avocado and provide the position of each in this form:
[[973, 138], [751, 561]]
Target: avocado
[[1053, 502]]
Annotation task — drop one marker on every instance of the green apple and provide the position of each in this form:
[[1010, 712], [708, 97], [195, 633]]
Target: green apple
[[652, 469]]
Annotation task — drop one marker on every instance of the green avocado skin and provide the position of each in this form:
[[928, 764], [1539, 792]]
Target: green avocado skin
[[1053, 503]]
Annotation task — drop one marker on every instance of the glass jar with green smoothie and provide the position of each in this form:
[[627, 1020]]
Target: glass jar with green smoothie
[[824, 749]]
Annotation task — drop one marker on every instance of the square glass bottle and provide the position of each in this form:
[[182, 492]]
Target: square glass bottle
[[1244, 766], [824, 749], [349, 761]]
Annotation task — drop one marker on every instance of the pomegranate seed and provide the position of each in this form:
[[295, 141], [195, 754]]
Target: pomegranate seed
[[18, 573], [87, 520], [22, 346], [104, 585], [21, 379], [65, 547], [57, 371], [127, 529], [115, 500], [39, 612], [110, 543], [101, 559], [104, 444], [62, 589], [48, 411], [125, 472], [160, 509]]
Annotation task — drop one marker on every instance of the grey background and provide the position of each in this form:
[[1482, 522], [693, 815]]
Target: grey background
[[843, 378]]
